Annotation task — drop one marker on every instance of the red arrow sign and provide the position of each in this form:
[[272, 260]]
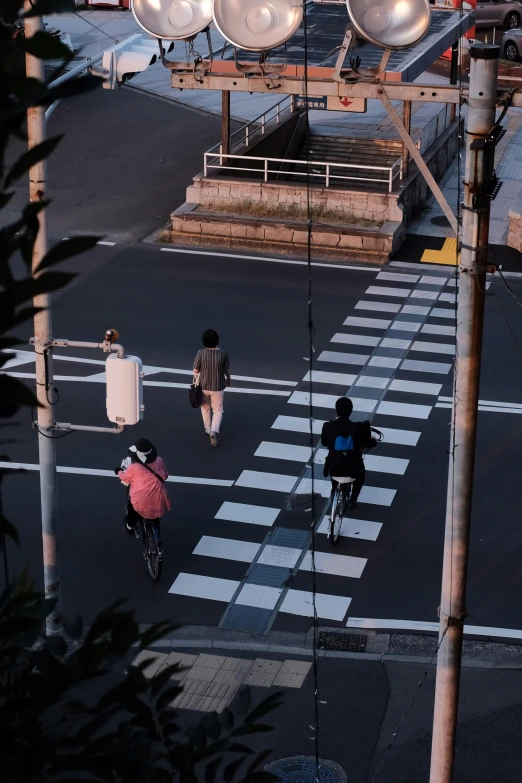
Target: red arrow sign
[[345, 102]]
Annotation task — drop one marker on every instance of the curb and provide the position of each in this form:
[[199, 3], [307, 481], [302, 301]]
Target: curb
[[380, 647]]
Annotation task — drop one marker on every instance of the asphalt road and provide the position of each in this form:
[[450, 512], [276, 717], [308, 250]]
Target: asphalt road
[[161, 302]]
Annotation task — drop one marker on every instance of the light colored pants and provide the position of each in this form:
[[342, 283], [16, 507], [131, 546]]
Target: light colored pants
[[212, 410]]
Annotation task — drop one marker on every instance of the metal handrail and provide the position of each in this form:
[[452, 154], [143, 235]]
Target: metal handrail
[[260, 122], [393, 171]]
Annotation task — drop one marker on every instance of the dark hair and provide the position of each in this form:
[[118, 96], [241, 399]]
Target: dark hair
[[344, 406], [210, 338]]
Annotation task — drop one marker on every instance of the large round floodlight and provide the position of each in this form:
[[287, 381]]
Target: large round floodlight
[[173, 19], [257, 25], [391, 24]]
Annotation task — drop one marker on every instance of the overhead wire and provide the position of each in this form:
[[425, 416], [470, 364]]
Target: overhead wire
[[95, 27], [311, 351]]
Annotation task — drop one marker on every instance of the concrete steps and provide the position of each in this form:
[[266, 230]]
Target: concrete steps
[[336, 149]]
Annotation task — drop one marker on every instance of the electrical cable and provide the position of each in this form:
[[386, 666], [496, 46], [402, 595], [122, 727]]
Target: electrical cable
[[95, 26], [408, 708], [4, 544], [44, 434], [311, 350]]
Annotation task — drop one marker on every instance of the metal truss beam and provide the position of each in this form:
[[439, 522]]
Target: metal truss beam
[[318, 87]]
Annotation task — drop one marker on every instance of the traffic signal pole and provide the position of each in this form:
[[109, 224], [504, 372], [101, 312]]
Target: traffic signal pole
[[470, 318], [45, 392]]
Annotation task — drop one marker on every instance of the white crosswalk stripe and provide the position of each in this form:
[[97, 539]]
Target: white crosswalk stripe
[[285, 451], [397, 277], [385, 291], [415, 310], [405, 326], [384, 307], [327, 607], [362, 529], [404, 409], [443, 312], [418, 366], [287, 557], [299, 424], [367, 323], [374, 462], [424, 294], [422, 345], [415, 387], [329, 400], [251, 515], [436, 329], [300, 602], [355, 339], [270, 481], [343, 358], [403, 307], [320, 376], [379, 496]]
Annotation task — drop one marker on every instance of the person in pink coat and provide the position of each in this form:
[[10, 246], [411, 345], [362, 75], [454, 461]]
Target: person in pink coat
[[145, 473]]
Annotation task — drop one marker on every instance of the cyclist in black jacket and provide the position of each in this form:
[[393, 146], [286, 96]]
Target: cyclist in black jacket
[[344, 440]]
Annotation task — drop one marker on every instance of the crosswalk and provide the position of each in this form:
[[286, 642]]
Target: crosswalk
[[391, 356]]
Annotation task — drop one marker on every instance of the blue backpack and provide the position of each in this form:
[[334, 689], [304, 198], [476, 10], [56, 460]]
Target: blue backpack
[[344, 444]]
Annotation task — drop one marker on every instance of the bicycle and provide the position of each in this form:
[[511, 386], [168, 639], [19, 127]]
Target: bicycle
[[147, 530], [340, 503]]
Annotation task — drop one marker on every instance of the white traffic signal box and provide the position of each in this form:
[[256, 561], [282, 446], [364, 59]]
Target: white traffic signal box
[[124, 377], [131, 56]]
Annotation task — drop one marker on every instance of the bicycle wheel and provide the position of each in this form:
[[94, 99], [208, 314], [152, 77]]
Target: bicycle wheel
[[336, 515], [152, 552]]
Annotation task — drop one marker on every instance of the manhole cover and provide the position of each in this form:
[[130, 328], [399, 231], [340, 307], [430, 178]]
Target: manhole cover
[[301, 769], [347, 642], [440, 220]]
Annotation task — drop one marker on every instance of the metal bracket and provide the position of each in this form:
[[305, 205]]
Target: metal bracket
[[353, 73], [198, 68], [106, 346], [85, 428], [474, 249], [419, 160], [262, 68]]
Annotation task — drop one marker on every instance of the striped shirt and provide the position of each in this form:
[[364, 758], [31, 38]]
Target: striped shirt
[[213, 365]]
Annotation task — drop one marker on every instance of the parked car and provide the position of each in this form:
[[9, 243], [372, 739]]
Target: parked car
[[498, 13], [511, 44]]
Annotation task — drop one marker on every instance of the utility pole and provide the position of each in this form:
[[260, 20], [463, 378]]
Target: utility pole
[[225, 122], [45, 391], [470, 319]]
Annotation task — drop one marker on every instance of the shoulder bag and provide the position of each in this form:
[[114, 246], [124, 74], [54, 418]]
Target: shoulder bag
[[195, 392]]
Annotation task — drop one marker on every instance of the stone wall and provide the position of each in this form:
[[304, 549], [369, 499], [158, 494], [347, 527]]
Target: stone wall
[[226, 193], [219, 193]]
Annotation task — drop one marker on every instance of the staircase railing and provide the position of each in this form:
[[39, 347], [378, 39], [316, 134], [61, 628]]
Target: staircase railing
[[327, 171]]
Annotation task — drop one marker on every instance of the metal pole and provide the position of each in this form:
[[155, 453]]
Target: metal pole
[[225, 121], [470, 318], [406, 118], [454, 73], [45, 392]]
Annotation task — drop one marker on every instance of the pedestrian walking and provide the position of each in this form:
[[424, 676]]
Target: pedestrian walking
[[212, 366]]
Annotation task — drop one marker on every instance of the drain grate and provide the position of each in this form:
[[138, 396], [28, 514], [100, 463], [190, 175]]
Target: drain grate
[[347, 642], [301, 769]]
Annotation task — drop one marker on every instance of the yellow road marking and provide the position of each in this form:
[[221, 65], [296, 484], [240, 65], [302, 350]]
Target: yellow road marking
[[446, 255]]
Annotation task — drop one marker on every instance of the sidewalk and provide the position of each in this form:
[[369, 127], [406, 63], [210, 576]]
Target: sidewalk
[[375, 709]]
